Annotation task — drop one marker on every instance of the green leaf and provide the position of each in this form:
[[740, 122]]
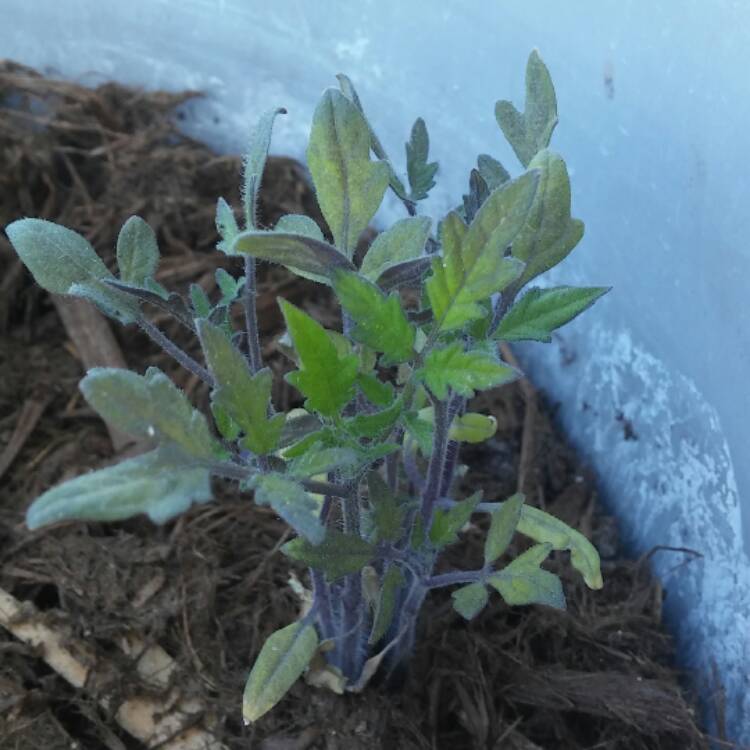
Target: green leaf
[[529, 132], [244, 396], [149, 406], [524, 582], [472, 428], [470, 600], [349, 186], [463, 372], [542, 527], [284, 657], [472, 266], [325, 377], [226, 226], [289, 499], [420, 172], [137, 251], [478, 194], [420, 431], [229, 287], [404, 241], [321, 460], [374, 425], [200, 301], [393, 580], [63, 262], [162, 484], [304, 255], [492, 171], [387, 512], [228, 428], [447, 523], [502, 527], [380, 322], [337, 555], [255, 162], [541, 311], [550, 234], [299, 224], [380, 393]]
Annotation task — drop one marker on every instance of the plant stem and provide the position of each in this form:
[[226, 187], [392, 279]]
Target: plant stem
[[174, 351], [454, 577], [251, 316], [501, 307], [235, 471], [437, 462]]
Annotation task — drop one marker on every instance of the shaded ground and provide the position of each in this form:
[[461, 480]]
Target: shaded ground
[[210, 587]]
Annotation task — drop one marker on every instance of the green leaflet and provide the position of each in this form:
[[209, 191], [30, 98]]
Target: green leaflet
[[321, 460], [380, 322], [529, 132], [463, 372], [393, 580], [470, 600], [524, 582], [284, 657], [421, 173], [466, 428], [245, 397], [502, 528], [199, 300], [492, 171], [226, 226], [289, 499], [63, 262], [303, 254], [542, 527], [349, 186], [380, 393], [325, 377], [149, 406], [541, 311], [229, 287], [473, 266], [447, 523], [305, 226], [137, 251], [387, 512], [255, 161], [404, 241], [420, 431], [550, 234], [337, 555], [162, 484], [373, 425]]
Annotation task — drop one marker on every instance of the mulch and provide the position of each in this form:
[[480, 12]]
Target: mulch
[[209, 587]]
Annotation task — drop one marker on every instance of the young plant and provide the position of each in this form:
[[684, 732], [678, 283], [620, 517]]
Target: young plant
[[364, 474]]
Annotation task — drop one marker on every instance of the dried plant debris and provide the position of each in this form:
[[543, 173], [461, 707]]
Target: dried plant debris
[[211, 587]]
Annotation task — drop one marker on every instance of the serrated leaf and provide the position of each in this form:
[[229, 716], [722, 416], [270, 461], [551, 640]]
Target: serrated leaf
[[421, 173], [349, 186], [199, 299], [325, 377], [290, 500], [529, 132], [447, 523], [550, 234], [299, 424], [492, 171], [373, 425], [63, 262], [380, 393], [478, 194], [380, 322], [149, 406], [463, 372], [404, 241], [228, 286], [387, 512], [472, 266], [337, 555], [137, 251], [502, 528], [524, 582], [420, 431], [162, 484], [393, 580], [244, 396], [541, 311], [321, 460], [227, 427], [226, 226], [545, 528], [284, 657], [255, 161], [325, 436], [470, 600], [302, 254]]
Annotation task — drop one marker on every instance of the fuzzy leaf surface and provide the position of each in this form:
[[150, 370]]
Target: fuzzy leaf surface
[[463, 372], [492, 171], [349, 186], [337, 555], [447, 523], [325, 377], [226, 226], [290, 500], [470, 600], [284, 657], [524, 582], [373, 425], [393, 580], [502, 528], [137, 251], [421, 173], [320, 460], [387, 512], [528, 132], [162, 484], [404, 241], [541, 311]]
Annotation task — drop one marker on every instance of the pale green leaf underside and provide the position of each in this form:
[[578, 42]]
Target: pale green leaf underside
[[290, 500], [404, 241], [524, 582], [137, 251], [284, 657], [470, 600], [502, 527]]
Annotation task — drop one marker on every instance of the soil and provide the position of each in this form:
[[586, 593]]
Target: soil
[[211, 586]]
